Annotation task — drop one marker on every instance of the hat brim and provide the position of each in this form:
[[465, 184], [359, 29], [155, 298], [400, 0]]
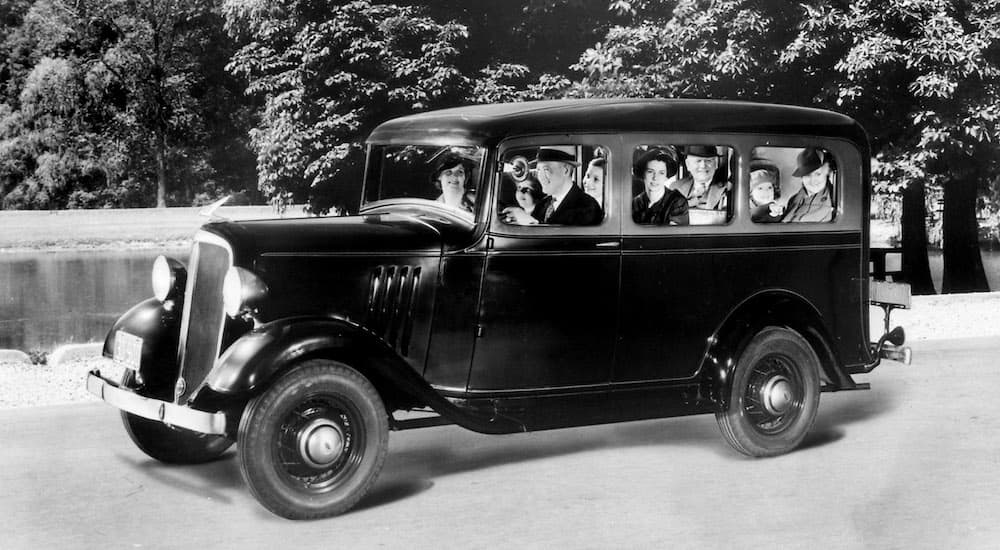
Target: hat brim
[[803, 170], [570, 162]]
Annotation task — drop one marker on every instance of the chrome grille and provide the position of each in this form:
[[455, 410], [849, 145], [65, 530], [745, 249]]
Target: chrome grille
[[391, 297], [204, 317]]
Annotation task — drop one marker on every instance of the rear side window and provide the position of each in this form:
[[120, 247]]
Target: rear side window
[[793, 185], [682, 184]]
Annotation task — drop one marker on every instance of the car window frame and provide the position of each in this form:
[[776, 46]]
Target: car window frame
[[850, 179], [630, 151], [611, 224]]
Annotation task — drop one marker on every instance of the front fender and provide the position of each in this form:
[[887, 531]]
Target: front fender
[[159, 328], [252, 360], [250, 363]]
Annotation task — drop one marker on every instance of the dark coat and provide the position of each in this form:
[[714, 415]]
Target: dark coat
[[762, 214], [576, 208], [804, 208], [672, 208]]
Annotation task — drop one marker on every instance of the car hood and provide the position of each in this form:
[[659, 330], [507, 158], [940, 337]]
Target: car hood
[[374, 232]]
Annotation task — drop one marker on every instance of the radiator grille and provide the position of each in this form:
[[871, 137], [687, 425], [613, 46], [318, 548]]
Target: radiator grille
[[204, 318], [391, 298]]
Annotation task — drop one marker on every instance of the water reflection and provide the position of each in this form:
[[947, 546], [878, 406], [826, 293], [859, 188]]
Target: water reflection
[[49, 299]]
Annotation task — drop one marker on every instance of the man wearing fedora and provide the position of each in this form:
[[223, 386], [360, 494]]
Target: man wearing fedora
[[699, 186], [814, 202], [565, 203]]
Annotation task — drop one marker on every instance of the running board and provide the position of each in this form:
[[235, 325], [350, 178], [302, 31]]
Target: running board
[[857, 386], [416, 419]]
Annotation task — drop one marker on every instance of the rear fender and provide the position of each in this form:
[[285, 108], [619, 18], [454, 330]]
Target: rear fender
[[251, 363], [767, 308]]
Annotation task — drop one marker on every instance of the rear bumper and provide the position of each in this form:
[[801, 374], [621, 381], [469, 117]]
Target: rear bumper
[[163, 411]]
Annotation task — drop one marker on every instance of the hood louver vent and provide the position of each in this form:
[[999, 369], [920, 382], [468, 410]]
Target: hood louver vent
[[391, 297]]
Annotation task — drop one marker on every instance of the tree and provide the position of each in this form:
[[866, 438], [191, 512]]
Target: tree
[[155, 60], [114, 102], [328, 74], [920, 75]]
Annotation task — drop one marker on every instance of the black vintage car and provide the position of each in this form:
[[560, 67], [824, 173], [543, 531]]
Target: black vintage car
[[513, 268]]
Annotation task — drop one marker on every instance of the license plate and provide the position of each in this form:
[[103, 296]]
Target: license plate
[[128, 349], [897, 294]]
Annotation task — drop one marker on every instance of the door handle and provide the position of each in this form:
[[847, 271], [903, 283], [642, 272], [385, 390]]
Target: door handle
[[608, 244]]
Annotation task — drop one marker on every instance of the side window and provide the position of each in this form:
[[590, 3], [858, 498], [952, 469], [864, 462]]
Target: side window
[[554, 185], [793, 185], [682, 184]]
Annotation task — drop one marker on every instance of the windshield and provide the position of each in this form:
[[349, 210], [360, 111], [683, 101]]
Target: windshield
[[447, 175]]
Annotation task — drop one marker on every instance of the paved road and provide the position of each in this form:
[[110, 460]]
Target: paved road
[[913, 463]]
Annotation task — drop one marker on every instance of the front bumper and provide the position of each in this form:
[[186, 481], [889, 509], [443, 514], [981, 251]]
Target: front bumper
[[169, 413]]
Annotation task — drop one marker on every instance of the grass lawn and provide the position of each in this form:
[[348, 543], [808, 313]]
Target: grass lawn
[[133, 227]]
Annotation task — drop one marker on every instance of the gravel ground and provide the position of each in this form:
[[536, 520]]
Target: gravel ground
[[932, 317]]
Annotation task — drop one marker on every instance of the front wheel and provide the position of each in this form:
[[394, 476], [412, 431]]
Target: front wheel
[[169, 444], [774, 394], [313, 444]]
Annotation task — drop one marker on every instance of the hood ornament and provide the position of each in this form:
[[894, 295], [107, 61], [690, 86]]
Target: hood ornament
[[209, 211]]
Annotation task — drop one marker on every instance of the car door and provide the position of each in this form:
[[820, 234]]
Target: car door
[[673, 294], [549, 298]]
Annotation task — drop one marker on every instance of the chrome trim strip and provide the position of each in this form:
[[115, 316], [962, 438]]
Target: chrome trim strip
[[212, 238], [154, 409]]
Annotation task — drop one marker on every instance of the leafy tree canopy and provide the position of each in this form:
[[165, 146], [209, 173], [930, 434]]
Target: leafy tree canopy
[[921, 75]]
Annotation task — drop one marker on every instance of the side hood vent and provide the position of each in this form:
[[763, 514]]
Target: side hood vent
[[391, 297]]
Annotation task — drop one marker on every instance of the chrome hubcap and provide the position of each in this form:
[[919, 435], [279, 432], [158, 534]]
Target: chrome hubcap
[[321, 443], [777, 395]]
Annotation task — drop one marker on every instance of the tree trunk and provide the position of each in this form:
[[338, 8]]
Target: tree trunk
[[916, 267], [963, 262], [161, 172]]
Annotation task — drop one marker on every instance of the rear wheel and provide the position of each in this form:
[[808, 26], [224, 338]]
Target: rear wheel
[[169, 444], [774, 394], [313, 444]]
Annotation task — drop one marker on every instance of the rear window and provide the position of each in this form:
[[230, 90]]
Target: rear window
[[793, 185]]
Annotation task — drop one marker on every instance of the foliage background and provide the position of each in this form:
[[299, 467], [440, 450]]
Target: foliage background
[[113, 103]]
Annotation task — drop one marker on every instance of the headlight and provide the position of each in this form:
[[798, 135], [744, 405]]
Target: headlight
[[241, 291], [169, 278]]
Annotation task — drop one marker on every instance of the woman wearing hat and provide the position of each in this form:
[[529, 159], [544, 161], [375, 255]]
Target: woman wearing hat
[[658, 204], [814, 202], [451, 175]]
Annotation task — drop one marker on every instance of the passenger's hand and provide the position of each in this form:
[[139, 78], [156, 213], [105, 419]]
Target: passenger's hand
[[777, 209], [517, 215]]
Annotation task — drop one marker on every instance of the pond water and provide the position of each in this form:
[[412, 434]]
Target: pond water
[[53, 298]]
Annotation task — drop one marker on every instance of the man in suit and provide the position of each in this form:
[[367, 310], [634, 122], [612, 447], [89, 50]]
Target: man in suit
[[699, 186], [566, 203]]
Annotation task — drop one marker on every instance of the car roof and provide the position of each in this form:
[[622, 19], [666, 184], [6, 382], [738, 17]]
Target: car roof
[[489, 124]]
